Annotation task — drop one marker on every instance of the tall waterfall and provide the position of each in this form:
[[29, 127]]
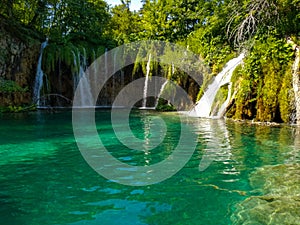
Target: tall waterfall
[[144, 105], [81, 81], [296, 84], [38, 84], [204, 105]]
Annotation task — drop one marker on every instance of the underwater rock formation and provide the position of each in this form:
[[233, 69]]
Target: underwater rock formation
[[279, 202]]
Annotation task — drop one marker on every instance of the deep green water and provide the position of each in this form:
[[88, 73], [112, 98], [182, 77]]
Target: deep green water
[[45, 180]]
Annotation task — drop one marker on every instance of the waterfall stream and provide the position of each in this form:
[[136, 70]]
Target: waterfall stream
[[204, 105], [144, 104], [160, 92], [38, 84]]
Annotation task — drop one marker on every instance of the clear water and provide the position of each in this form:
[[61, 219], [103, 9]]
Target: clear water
[[45, 180]]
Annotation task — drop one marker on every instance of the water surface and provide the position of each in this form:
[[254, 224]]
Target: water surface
[[45, 180]]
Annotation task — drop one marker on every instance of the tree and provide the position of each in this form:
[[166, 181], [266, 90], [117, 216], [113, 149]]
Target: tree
[[251, 17]]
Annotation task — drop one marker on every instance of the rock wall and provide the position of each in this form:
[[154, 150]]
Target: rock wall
[[18, 60]]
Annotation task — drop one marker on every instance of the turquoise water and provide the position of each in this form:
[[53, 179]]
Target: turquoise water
[[45, 180]]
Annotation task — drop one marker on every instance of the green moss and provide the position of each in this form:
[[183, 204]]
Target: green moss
[[286, 96], [268, 95]]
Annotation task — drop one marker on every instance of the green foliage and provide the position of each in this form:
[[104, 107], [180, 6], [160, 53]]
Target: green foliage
[[17, 109], [124, 24], [9, 86], [261, 79]]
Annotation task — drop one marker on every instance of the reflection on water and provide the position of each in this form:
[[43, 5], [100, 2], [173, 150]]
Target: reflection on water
[[44, 179], [215, 137]]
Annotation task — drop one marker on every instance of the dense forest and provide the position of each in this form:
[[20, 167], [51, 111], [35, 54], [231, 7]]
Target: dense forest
[[215, 30]]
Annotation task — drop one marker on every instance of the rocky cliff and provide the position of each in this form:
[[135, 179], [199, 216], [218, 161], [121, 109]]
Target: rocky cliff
[[18, 58]]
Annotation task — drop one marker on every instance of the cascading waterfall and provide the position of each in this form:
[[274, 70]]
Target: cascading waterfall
[[296, 84], [144, 105], [204, 105], [38, 84]]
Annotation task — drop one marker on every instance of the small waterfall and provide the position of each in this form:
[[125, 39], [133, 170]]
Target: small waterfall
[[116, 53], [222, 109], [203, 106], [85, 90], [75, 75], [106, 76], [160, 92], [38, 84], [144, 105], [81, 82], [296, 84]]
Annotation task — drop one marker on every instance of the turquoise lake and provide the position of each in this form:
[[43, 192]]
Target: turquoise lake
[[46, 181]]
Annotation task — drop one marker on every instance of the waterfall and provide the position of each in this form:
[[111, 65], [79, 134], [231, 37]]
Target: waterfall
[[203, 106], [81, 82], [160, 92], [39, 76], [144, 105], [296, 84], [106, 76]]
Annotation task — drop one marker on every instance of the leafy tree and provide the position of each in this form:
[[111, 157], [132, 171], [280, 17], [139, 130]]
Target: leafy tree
[[124, 24]]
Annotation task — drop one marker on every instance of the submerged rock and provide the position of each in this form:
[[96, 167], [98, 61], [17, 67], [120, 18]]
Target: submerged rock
[[279, 202]]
